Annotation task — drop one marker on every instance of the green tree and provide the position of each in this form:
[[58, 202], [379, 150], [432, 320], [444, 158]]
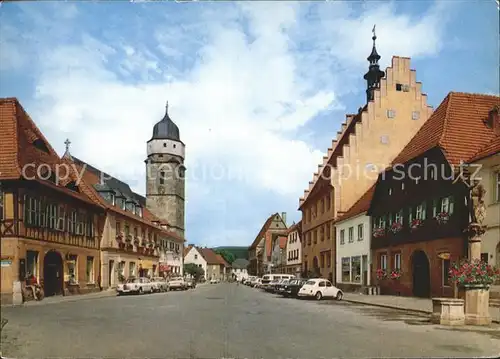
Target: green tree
[[228, 256], [194, 270]]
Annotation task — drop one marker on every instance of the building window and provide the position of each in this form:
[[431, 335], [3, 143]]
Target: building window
[[32, 264], [398, 217], [328, 201], [381, 222], [72, 268], [356, 269], [32, 212], [315, 236], [195, 256], [322, 233], [346, 270], [80, 224], [127, 230], [415, 115], [89, 226], [90, 269], [384, 139], [327, 230], [360, 232], [391, 113], [52, 216], [484, 257], [162, 177], [420, 212], [351, 234], [497, 186], [445, 273], [118, 228], [399, 87], [131, 269], [447, 205], [328, 259], [61, 214], [383, 261], [322, 260], [322, 205], [397, 261]]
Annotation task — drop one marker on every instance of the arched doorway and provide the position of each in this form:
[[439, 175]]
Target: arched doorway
[[421, 275], [52, 274]]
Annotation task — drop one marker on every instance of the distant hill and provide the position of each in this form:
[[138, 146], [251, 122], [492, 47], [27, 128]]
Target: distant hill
[[238, 252]]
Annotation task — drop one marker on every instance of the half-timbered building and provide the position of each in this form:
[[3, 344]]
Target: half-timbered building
[[420, 208], [49, 226]]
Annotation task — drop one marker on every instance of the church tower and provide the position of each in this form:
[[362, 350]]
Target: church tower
[[374, 74], [165, 180]]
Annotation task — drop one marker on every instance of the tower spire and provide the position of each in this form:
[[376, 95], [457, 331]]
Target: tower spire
[[374, 74]]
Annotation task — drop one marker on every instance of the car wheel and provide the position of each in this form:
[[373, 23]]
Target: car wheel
[[318, 296], [339, 295]]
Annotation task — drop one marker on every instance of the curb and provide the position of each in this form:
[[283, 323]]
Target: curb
[[73, 298], [418, 311]]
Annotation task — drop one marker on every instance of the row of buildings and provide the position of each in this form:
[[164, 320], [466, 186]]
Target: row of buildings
[[214, 266], [77, 229], [395, 191]]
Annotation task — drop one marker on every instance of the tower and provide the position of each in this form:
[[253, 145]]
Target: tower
[[374, 73], [165, 180]]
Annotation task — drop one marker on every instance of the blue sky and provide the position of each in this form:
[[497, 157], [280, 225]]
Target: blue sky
[[258, 90]]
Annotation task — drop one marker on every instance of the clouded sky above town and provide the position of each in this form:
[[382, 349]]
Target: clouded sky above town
[[258, 90]]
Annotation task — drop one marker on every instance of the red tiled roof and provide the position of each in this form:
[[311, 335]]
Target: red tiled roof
[[209, 255], [89, 179], [360, 206], [457, 127], [19, 138], [263, 230], [223, 261], [489, 150], [187, 249]]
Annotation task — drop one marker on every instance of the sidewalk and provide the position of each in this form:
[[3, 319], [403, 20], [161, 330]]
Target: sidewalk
[[63, 299], [418, 305]]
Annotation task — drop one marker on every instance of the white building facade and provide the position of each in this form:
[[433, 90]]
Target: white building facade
[[294, 250], [353, 256], [194, 256]]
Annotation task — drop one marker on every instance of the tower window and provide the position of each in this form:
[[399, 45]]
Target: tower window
[[415, 115], [174, 146], [162, 177], [164, 144], [391, 113], [384, 139]]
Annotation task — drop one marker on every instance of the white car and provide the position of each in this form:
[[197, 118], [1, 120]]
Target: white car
[[135, 285], [320, 288], [160, 284], [214, 281], [177, 283]]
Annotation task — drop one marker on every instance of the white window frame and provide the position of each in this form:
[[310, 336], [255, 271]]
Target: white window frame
[[90, 275], [398, 217], [383, 261], [420, 212], [361, 232], [351, 234], [61, 218], [391, 113], [415, 115], [397, 261], [342, 236]]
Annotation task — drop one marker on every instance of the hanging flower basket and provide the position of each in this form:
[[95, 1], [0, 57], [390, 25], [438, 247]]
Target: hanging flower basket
[[378, 232], [395, 274], [442, 218], [396, 227], [476, 273], [416, 224]]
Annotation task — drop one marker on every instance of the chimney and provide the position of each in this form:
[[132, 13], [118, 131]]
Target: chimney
[[494, 119], [283, 216]]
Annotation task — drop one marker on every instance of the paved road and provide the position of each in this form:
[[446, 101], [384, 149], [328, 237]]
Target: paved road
[[228, 321]]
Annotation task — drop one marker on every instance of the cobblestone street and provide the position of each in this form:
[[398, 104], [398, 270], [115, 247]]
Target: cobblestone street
[[230, 321]]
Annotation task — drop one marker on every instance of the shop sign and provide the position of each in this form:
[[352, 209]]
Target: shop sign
[[444, 255], [5, 263]]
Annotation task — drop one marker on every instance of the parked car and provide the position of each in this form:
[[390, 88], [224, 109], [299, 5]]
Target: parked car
[[270, 287], [135, 285], [214, 281], [258, 283], [190, 283], [291, 289], [320, 288], [279, 288], [160, 284], [177, 283]]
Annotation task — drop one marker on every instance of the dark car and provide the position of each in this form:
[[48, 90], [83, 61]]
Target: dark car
[[279, 288], [291, 289]]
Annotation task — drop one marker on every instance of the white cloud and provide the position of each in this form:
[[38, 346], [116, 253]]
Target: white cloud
[[239, 97]]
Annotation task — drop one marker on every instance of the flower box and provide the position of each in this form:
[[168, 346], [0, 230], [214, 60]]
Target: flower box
[[473, 273], [395, 274], [378, 232], [396, 227], [442, 218], [416, 224], [381, 274]]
